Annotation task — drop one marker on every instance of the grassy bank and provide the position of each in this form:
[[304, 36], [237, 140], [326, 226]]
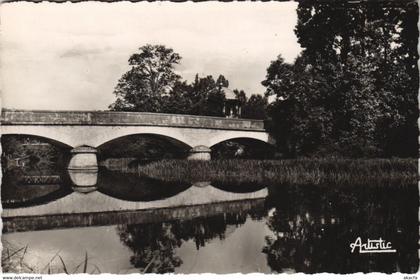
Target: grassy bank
[[339, 172]]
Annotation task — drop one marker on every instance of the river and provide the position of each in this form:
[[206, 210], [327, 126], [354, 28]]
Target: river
[[127, 223]]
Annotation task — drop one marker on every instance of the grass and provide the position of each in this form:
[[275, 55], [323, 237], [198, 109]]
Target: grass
[[336, 172], [13, 262]]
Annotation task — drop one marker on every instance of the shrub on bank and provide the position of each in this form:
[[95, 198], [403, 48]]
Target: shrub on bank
[[366, 172]]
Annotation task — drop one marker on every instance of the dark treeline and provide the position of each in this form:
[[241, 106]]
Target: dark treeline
[[152, 85], [353, 89]]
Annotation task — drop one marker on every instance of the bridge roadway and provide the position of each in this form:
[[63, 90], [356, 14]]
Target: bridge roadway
[[84, 131]]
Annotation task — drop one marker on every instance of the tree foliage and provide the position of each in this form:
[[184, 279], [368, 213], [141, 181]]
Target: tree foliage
[[202, 97], [253, 107], [155, 245], [152, 85], [151, 76], [352, 91]]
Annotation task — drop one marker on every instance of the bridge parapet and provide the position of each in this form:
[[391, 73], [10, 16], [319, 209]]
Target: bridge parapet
[[90, 129], [109, 118]]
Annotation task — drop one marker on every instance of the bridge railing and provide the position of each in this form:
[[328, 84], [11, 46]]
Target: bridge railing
[[109, 118]]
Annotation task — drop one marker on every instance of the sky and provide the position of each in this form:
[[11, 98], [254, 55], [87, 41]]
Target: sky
[[70, 56]]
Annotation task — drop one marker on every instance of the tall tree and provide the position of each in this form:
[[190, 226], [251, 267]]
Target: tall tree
[[207, 96], [356, 79], [150, 78], [179, 100], [241, 96], [302, 119], [255, 107], [222, 81]]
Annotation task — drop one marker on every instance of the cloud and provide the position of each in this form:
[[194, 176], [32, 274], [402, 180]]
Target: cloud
[[70, 56], [78, 51]]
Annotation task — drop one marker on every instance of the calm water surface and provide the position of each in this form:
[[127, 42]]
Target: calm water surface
[[293, 229]]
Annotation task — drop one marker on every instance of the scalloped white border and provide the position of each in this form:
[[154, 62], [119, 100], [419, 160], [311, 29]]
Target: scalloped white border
[[211, 276]]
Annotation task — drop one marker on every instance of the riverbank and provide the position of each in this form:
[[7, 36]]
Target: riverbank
[[337, 172]]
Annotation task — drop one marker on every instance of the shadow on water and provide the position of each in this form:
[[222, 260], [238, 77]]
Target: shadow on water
[[311, 229], [306, 229], [132, 187], [314, 226]]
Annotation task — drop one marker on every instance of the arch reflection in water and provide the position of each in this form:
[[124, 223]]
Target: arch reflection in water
[[237, 187], [32, 169], [133, 187], [19, 190], [97, 202], [303, 229], [205, 228], [201, 184], [85, 190]]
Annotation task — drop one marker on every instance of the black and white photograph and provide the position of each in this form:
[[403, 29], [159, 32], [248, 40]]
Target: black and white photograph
[[209, 137]]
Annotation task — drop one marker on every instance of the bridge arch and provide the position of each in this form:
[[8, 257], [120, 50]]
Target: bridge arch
[[94, 136], [116, 133], [243, 147], [63, 135], [143, 145], [33, 169], [51, 140], [84, 128], [226, 136], [160, 135]]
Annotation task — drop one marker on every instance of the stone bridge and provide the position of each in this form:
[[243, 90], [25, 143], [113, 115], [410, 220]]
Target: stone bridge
[[84, 131]]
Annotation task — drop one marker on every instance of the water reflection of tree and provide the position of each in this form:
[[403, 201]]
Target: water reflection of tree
[[313, 228], [154, 245], [203, 230]]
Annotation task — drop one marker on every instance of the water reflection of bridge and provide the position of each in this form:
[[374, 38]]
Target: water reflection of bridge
[[78, 209], [41, 179]]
